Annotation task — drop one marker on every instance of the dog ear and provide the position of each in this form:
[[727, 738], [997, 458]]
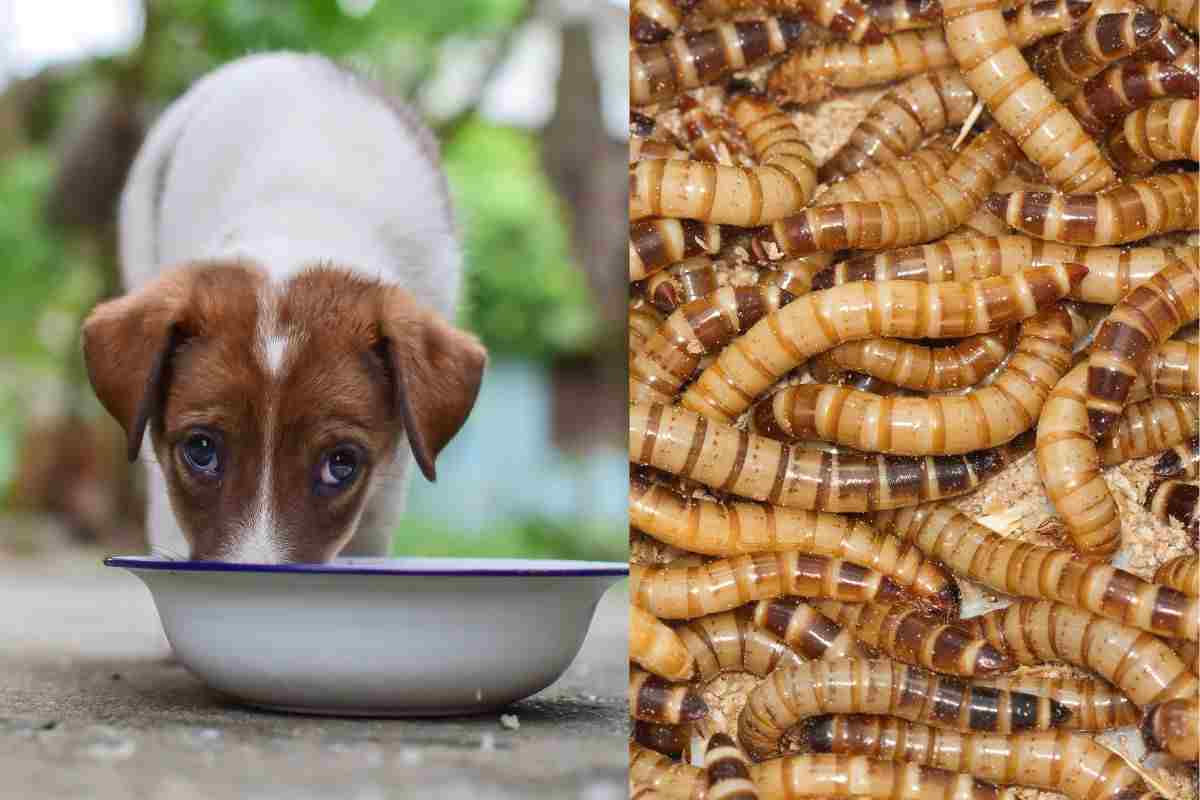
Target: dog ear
[[435, 370], [127, 347]]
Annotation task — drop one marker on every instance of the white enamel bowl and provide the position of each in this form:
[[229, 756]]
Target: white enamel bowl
[[377, 637]]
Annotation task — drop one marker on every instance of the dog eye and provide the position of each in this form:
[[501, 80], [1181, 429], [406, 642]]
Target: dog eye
[[339, 467], [199, 451]]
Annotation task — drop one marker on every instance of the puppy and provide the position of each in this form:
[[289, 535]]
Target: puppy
[[291, 260]]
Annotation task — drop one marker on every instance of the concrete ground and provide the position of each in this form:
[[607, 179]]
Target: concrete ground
[[92, 706]]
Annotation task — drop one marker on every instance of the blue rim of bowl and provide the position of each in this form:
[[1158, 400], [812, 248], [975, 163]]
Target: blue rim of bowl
[[563, 569]]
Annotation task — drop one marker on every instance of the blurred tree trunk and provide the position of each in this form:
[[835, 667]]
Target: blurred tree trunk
[[589, 169]]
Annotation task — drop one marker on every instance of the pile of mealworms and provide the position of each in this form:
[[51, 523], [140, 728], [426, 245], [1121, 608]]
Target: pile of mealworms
[[913, 298]]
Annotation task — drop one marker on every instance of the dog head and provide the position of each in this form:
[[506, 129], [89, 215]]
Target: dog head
[[273, 409]]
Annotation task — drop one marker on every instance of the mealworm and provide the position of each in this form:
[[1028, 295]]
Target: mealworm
[[787, 697], [1095, 705], [1165, 130], [1182, 572], [892, 16], [1138, 326], [847, 17], [681, 283], [1068, 60], [1131, 211], [1174, 369], [1185, 12], [702, 327], [641, 149], [729, 642], [1188, 652], [817, 322], [1026, 23], [734, 461], [657, 648], [689, 592], [900, 120], [1174, 726], [654, 20], [706, 135], [658, 243], [1123, 88], [1148, 427], [916, 366], [739, 527], [656, 700], [644, 320], [1019, 568], [685, 61], [1112, 271], [940, 425], [1037, 631], [793, 276], [914, 636], [806, 630], [1020, 103], [742, 196], [727, 770], [1181, 461], [1058, 761], [658, 772], [670, 740], [895, 222], [793, 777]]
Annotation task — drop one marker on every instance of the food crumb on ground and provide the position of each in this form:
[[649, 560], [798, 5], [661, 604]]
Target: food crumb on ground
[[510, 722]]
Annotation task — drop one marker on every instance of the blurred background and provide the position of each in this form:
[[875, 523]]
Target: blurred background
[[529, 101]]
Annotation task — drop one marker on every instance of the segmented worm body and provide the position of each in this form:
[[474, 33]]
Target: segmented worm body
[[658, 243], [1185, 12], [914, 636], [642, 149], [914, 110], [891, 16], [1111, 271], [847, 17], [1137, 327], [657, 648], [806, 630], [656, 700], [685, 61], [688, 592], [1182, 461], [995, 69], [644, 320], [742, 196], [651, 770], [896, 222], [916, 366], [1182, 572], [704, 136], [802, 776], [1095, 705], [1123, 88], [1174, 726], [1140, 665], [734, 461], [819, 321], [1174, 369], [1148, 427], [787, 697], [944, 424], [1126, 213], [730, 642], [739, 527], [654, 20], [670, 740], [702, 327], [848, 65], [1068, 60], [1165, 130], [727, 770], [681, 283], [1027, 22], [1028, 570], [1059, 761]]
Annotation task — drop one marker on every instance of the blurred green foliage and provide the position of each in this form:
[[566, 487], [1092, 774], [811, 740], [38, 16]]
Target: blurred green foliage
[[534, 537]]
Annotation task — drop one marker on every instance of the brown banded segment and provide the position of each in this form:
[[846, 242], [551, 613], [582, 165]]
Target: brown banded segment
[[800, 477], [670, 740], [657, 243], [1057, 761], [727, 770], [1165, 130], [1149, 426], [1068, 60], [681, 283], [1093, 704], [687, 592], [1175, 500], [797, 776], [656, 700], [656, 647], [1013, 567], [728, 641], [1037, 631], [738, 527], [1138, 325], [789, 696], [913, 635], [1174, 726], [1124, 87], [1181, 461], [656, 772], [1181, 573], [804, 629], [784, 339]]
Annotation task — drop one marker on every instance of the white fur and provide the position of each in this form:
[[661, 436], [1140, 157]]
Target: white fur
[[287, 161]]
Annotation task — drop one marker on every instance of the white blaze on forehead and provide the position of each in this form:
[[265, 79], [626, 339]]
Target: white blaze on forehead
[[258, 539], [273, 344]]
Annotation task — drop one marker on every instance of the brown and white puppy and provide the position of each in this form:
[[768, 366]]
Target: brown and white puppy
[[289, 249]]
